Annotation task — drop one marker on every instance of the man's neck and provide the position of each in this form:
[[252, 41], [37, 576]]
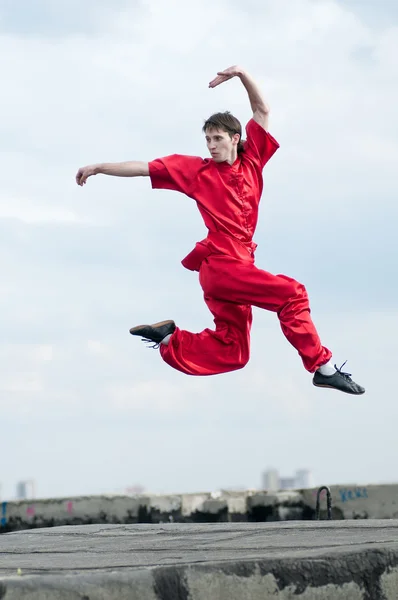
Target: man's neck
[[232, 158]]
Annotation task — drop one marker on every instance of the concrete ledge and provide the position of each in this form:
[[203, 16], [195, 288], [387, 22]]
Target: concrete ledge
[[345, 560], [349, 502]]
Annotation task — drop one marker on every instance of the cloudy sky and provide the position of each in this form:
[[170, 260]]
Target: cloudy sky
[[86, 408]]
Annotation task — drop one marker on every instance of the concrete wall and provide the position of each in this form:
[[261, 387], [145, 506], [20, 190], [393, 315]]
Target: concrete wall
[[349, 502], [358, 501]]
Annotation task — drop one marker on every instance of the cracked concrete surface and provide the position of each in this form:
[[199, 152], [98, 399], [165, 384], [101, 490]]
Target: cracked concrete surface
[[304, 560]]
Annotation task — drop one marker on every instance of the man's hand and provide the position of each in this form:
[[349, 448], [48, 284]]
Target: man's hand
[[225, 75], [259, 107], [84, 173]]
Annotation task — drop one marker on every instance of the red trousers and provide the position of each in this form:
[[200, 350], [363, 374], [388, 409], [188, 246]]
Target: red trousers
[[231, 287]]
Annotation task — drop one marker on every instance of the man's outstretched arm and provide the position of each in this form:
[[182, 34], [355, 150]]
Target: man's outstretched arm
[[122, 169], [258, 105]]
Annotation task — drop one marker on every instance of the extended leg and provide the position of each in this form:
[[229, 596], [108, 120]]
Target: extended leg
[[244, 283]]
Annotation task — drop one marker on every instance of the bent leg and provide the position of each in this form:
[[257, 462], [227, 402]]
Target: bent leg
[[211, 352]]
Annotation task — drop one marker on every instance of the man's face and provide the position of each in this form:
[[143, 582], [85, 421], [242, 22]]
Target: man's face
[[220, 144]]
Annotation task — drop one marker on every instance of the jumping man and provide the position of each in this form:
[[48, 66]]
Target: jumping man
[[227, 189]]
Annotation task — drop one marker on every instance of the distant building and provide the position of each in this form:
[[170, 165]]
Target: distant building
[[25, 490], [304, 479], [287, 483], [135, 489], [272, 481]]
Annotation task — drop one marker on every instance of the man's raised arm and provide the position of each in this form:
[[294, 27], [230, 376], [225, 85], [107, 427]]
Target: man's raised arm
[[258, 105], [122, 169]]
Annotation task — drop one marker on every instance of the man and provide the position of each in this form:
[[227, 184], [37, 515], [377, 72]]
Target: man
[[227, 189]]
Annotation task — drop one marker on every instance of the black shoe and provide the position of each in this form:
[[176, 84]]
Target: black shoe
[[154, 333], [338, 381]]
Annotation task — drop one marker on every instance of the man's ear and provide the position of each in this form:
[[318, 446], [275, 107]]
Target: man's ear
[[236, 138]]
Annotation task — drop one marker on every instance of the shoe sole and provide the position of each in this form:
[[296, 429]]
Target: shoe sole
[[160, 324], [332, 387]]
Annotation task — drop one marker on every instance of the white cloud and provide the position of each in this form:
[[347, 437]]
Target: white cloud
[[31, 354], [24, 383], [81, 266], [147, 396], [29, 212], [96, 347], [43, 352]]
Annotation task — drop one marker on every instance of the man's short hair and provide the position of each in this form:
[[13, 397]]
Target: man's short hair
[[225, 121]]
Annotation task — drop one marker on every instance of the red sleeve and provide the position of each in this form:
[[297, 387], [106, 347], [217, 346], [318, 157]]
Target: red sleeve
[[259, 145], [176, 172]]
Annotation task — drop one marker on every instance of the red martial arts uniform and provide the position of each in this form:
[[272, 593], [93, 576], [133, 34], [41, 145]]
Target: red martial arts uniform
[[227, 197]]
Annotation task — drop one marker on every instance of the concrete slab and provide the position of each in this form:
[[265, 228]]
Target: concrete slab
[[231, 561]]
